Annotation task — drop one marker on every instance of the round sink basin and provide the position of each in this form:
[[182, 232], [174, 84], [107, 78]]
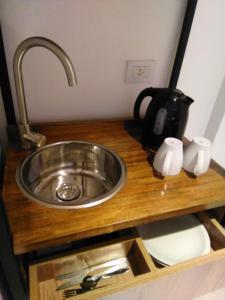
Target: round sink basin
[[72, 174]]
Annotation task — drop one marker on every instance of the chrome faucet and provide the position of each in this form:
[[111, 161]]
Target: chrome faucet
[[28, 137]]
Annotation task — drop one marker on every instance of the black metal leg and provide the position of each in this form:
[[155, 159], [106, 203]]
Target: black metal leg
[[9, 261], [4, 288]]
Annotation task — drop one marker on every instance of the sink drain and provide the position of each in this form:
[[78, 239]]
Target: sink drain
[[68, 192]]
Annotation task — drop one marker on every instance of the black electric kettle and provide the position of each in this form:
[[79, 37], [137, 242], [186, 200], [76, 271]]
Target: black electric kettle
[[166, 115]]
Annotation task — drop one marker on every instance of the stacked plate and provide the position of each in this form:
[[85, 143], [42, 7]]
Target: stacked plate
[[175, 240]]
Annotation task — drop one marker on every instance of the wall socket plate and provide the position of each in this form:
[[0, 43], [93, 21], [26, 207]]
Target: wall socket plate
[[140, 71]]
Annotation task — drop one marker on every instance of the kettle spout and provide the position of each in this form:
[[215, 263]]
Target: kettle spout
[[186, 100]]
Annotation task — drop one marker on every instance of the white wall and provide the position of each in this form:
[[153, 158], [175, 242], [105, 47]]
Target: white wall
[[99, 36], [219, 144], [203, 75], [216, 126]]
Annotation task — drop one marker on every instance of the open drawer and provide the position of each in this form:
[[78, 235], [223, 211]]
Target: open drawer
[[44, 277], [142, 268]]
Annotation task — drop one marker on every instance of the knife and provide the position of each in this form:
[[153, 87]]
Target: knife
[[78, 280], [87, 270]]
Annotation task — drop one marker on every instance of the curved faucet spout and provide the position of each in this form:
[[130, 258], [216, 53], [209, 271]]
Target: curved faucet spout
[[25, 131]]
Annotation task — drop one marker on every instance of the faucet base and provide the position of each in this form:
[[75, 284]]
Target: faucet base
[[30, 138]]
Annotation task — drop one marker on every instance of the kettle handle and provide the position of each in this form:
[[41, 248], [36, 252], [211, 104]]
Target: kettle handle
[[145, 93]]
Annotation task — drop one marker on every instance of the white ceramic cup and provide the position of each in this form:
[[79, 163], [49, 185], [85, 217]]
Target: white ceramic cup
[[169, 158], [197, 156]]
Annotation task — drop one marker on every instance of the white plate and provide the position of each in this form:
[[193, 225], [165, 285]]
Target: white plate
[[175, 240]]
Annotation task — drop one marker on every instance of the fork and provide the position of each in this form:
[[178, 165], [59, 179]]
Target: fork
[[89, 282], [78, 291], [73, 292]]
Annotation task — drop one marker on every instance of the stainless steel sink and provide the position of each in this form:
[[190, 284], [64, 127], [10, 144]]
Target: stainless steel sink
[[71, 174]]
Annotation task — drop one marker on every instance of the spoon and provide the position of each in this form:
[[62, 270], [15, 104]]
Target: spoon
[[90, 281]]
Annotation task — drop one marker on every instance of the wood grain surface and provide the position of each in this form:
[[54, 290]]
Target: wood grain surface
[[144, 197]]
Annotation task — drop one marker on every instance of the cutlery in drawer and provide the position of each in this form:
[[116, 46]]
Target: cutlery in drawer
[[77, 280], [85, 271]]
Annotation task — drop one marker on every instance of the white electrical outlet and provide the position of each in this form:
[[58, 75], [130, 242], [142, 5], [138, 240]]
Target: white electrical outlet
[[139, 71]]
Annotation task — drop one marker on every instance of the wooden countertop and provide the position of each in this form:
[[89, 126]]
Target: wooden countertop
[[144, 198]]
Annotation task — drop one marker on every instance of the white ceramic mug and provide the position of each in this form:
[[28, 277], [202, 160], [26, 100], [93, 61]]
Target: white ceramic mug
[[197, 156], [169, 158]]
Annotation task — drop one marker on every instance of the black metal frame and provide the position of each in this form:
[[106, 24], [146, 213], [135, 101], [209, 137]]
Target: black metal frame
[[186, 29], [4, 288], [8, 260], [5, 85]]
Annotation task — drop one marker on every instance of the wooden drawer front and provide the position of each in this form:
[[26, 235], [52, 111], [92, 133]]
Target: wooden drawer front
[[43, 283]]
